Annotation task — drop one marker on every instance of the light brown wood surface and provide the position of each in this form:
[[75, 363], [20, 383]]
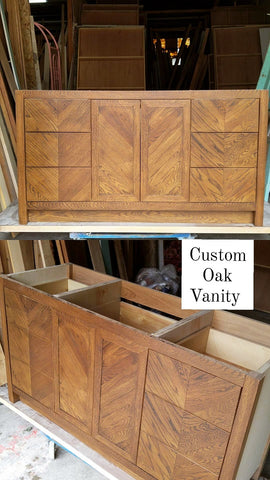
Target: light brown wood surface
[[142, 156]]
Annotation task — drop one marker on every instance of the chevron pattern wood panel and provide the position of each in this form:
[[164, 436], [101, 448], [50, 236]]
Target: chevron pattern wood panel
[[192, 433], [236, 115], [74, 115], [172, 388], [59, 184], [224, 149], [42, 184], [185, 469], [76, 367], [165, 150], [57, 115], [212, 399], [156, 458], [30, 337], [74, 184], [41, 115], [222, 185], [116, 150], [41, 149], [74, 150], [58, 149], [121, 376]]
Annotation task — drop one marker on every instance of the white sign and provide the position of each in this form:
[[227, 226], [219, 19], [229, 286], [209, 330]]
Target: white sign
[[217, 274]]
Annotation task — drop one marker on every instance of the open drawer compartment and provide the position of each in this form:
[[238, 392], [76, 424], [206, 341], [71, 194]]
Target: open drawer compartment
[[209, 333], [107, 299], [97, 293], [57, 280]]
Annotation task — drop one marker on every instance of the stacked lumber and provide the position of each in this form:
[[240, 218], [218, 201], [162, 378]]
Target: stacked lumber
[[181, 67], [111, 53], [237, 56]]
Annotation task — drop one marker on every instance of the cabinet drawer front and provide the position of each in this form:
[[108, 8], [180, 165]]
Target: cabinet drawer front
[[224, 149], [116, 150], [164, 463], [120, 378], [165, 150], [57, 115], [236, 115], [209, 397], [58, 184], [30, 343], [223, 185]]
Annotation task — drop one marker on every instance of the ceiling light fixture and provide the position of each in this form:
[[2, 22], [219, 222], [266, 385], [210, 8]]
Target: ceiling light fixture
[[38, 1]]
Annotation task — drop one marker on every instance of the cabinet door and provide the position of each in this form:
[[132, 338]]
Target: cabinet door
[[116, 150], [165, 134], [186, 422], [119, 385], [75, 371], [30, 345]]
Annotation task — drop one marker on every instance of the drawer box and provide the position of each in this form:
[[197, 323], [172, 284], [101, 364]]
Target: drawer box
[[173, 156], [171, 395]]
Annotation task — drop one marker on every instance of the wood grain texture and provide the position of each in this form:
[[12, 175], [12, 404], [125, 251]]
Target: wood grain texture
[[57, 115], [133, 180], [224, 149], [262, 153], [184, 415], [120, 377], [203, 443], [223, 185], [212, 399], [219, 116], [241, 425], [41, 149], [116, 136], [184, 469], [76, 366], [30, 343], [165, 150], [173, 387]]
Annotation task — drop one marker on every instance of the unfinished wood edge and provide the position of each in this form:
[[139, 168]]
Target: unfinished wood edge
[[246, 408], [259, 433], [47, 274], [262, 154], [87, 288], [13, 397], [172, 332], [239, 326]]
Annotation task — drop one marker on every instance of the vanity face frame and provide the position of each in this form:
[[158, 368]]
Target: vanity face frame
[[148, 156], [161, 398]]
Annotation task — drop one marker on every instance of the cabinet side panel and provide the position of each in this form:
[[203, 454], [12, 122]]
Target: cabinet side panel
[[258, 434]]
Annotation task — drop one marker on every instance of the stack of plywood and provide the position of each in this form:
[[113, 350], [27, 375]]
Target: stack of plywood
[[237, 56], [109, 14], [110, 49]]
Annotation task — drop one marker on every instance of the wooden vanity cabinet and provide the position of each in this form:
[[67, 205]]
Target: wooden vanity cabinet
[[145, 156], [167, 396]]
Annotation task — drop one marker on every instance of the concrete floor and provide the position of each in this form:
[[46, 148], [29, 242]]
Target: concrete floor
[[24, 454]]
